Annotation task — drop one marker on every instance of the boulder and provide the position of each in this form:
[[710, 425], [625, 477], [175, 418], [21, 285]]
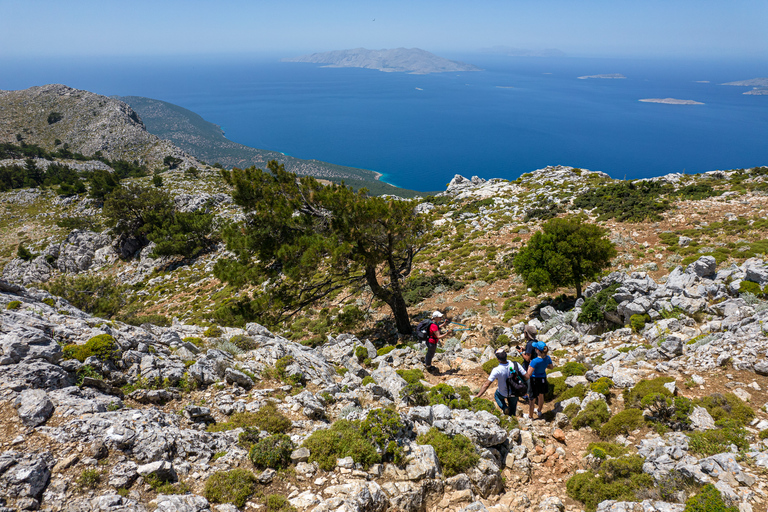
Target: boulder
[[701, 419], [77, 251], [34, 407], [703, 267]]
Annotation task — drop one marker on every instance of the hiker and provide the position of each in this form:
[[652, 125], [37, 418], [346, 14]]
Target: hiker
[[537, 376], [528, 353], [505, 396], [433, 338]]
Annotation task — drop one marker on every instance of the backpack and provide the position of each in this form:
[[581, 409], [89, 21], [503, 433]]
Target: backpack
[[516, 385], [422, 329]]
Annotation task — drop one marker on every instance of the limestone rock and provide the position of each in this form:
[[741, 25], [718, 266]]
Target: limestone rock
[[34, 407]]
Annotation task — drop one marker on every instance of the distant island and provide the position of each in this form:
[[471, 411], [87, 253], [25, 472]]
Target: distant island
[[611, 75], [760, 86], [671, 101], [399, 60], [754, 82]]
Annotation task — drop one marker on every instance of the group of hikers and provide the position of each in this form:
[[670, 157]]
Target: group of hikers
[[515, 381]]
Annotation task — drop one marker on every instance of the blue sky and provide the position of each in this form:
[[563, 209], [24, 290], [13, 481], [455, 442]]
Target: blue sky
[[722, 28]]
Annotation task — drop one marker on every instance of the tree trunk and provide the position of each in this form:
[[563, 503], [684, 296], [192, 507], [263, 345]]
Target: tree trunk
[[394, 300]]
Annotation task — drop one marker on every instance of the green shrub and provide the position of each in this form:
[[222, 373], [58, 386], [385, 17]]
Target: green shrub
[[594, 415], [573, 368], [213, 332], [415, 394], [620, 479], [633, 396], [14, 304], [626, 201], [350, 317], [100, 296], [557, 387], [417, 288], [411, 376], [267, 418], [440, 394], [343, 439], [248, 437], [609, 449], [49, 301], [361, 353], [572, 410], [198, 342], [671, 411], [102, 346], [368, 380], [712, 442], [751, 287], [272, 452], [278, 503], [708, 499], [89, 479], [385, 350], [456, 454], [602, 385], [489, 365], [727, 406], [623, 423], [242, 342], [381, 427], [637, 322], [578, 390], [234, 486]]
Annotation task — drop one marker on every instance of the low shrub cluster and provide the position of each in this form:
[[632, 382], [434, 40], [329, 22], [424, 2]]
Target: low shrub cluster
[[626, 201], [594, 308], [633, 396], [99, 296], [267, 418], [370, 441], [102, 346], [602, 450], [234, 486], [708, 499], [623, 422], [272, 452], [420, 287], [618, 479], [456, 454], [711, 442], [594, 415]]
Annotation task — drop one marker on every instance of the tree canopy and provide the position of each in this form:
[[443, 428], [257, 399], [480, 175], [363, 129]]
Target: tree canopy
[[566, 252], [302, 241]]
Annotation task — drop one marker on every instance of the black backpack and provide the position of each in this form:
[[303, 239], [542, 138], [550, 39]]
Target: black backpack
[[516, 385], [422, 329]]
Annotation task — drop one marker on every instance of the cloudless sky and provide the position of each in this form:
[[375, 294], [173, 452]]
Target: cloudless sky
[[714, 28]]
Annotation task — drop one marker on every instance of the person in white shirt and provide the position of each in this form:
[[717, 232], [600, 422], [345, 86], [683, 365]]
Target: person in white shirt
[[507, 402]]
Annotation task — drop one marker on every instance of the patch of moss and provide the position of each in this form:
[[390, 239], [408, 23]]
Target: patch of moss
[[14, 304]]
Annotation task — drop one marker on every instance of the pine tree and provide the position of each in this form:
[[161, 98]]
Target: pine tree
[[305, 241]]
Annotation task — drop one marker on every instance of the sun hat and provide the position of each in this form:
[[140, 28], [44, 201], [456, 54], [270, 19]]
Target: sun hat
[[437, 314], [530, 331], [501, 355]]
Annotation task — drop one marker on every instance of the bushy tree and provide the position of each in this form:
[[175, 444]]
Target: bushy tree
[[304, 241], [566, 252]]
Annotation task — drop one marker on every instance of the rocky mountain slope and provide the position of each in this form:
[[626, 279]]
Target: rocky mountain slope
[[56, 116], [659, 394]]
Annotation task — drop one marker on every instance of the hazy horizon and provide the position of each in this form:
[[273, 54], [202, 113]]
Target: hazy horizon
[[87, 28]]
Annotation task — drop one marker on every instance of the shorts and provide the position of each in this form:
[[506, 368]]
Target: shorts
[[539, 386]]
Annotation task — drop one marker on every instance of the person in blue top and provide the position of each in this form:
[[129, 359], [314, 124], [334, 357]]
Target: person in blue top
[[537, 376]]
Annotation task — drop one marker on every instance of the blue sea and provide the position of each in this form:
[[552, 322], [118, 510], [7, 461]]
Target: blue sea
[[516, 116]]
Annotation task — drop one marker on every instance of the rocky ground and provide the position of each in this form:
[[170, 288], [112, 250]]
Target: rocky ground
[[97, 414]]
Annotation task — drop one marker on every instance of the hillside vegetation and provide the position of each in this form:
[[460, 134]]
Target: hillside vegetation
[[133, 378]]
